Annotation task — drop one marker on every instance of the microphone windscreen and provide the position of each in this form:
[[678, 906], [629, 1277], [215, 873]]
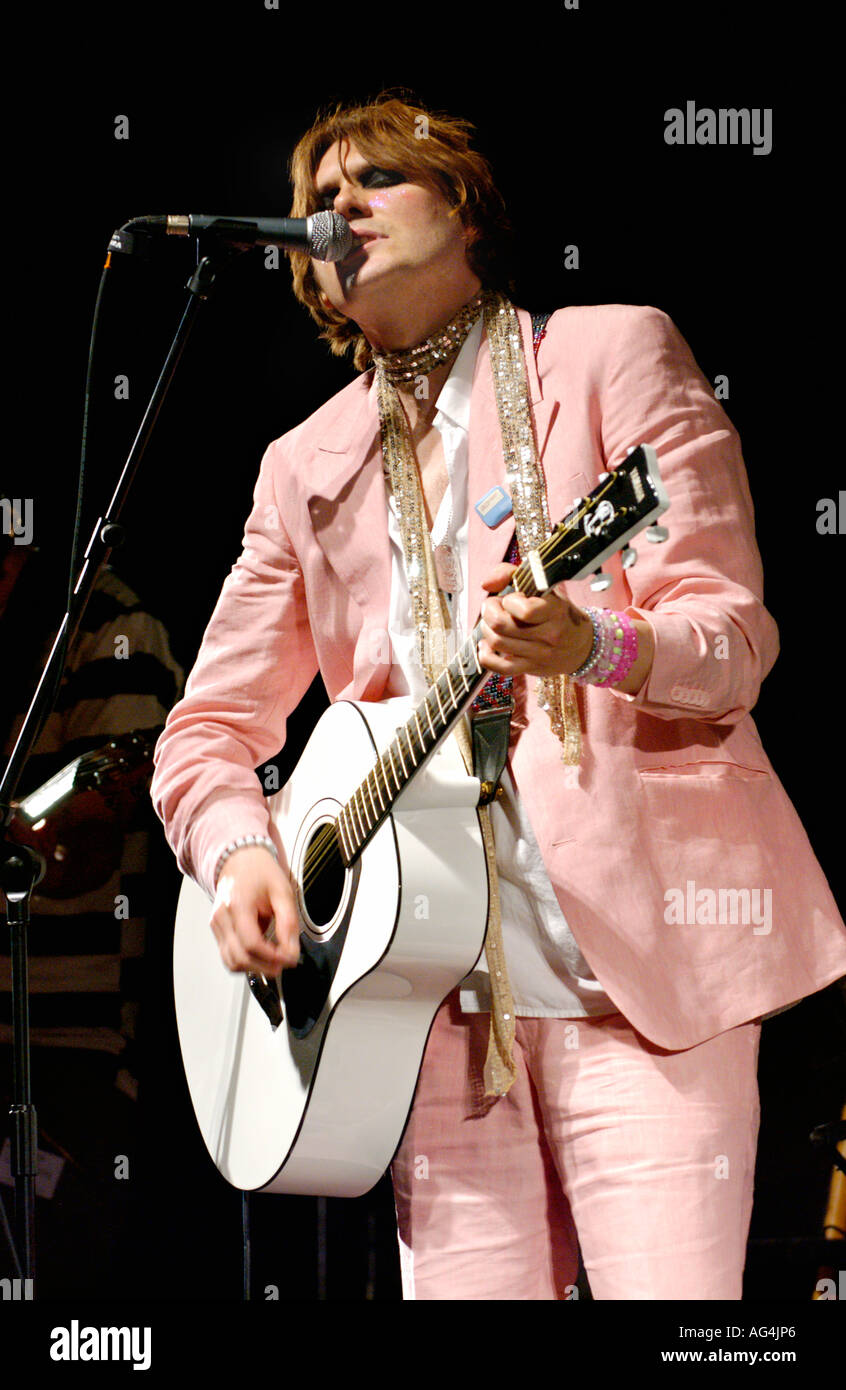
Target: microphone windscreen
[[330, 236]]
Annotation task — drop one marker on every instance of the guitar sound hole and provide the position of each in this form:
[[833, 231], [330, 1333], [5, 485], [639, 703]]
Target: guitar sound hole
[[323, 876], [306, 988]]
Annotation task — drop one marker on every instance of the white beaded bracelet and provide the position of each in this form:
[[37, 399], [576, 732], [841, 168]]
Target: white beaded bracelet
[[261, 841]]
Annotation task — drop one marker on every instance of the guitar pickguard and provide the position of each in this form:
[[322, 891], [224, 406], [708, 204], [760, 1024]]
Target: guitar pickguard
[[306, 989]]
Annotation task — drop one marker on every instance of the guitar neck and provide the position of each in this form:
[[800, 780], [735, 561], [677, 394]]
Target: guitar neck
[[434, 718], [623, 503]]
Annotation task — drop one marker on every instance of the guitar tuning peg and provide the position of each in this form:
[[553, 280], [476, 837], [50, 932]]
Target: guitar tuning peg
[[656, 534], [628, 557], [600, 581]]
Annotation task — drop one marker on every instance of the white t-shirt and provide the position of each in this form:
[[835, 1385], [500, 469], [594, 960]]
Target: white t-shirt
[[548, 974]]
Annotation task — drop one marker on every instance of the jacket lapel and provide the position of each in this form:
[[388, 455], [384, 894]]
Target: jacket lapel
[[348, 506]]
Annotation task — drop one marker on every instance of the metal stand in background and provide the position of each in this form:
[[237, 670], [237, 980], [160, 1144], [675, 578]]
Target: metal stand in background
[[830, 1275], [20, 869]]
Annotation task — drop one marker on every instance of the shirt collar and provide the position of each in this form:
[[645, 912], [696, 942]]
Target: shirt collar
[[454, 398]]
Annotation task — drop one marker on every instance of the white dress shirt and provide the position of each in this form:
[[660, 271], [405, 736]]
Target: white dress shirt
[[549, 976]]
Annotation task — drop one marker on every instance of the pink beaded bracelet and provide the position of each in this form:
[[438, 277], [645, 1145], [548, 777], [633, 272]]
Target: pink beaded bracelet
[[614, 650]]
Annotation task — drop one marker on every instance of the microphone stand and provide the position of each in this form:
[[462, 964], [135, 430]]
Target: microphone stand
[[20, 868]]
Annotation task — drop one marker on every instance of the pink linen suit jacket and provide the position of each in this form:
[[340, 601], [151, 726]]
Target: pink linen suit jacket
[[675, 800]]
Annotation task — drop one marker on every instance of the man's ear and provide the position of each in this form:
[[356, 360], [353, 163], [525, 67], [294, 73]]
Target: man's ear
[[327, 305], [471, 235]]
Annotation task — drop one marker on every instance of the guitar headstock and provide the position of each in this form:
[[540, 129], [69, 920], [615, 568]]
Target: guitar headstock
[[625, 501], [78, 818], [125, 763]]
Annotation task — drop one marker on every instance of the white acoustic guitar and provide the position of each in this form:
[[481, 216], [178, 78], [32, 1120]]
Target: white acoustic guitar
[[303, 1083]]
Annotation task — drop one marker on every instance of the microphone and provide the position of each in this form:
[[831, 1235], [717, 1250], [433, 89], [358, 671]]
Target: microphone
[[326, 236]]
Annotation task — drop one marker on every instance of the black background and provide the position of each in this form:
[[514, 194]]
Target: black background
[[569, 105]]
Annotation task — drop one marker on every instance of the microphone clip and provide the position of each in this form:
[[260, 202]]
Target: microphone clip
[[132, 243]]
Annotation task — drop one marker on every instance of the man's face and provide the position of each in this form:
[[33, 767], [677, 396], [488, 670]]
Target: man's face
[[405, 237]]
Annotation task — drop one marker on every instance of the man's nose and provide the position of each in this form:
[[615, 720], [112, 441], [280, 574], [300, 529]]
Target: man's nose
[[348, 201]]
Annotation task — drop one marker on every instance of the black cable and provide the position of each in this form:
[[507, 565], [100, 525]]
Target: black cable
[[245, 1246], [75, 549], [76, 542]]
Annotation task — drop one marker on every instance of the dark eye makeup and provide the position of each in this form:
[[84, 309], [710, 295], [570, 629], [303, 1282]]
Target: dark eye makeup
[[369, 177]]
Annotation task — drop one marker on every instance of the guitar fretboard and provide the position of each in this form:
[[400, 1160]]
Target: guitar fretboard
[[442, 705], [623, 503]]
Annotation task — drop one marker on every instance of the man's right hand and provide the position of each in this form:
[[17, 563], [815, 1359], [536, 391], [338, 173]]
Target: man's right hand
[[254, 891]]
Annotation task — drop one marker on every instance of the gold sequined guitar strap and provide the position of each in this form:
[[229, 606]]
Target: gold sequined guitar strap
[[528, 494]]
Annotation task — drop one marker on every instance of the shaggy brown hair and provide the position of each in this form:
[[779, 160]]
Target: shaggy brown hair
[[389, 130]]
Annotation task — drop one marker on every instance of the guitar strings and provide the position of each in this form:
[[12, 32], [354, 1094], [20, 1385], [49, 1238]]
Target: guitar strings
[[318, 855], [326, 847]]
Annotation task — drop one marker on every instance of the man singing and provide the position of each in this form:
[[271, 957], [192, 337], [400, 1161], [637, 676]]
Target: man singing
[[595, 1086]]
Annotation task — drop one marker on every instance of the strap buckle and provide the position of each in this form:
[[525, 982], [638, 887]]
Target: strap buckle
[[491, 730]]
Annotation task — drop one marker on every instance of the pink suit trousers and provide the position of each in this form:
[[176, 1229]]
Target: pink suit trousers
[[644, 1157]]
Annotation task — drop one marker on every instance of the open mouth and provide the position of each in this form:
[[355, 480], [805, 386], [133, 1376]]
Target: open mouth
[[361, 239], [349, 267], [356, 256]]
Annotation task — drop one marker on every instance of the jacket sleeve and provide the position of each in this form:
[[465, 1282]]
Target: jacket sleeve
[[701, 591], [256, 661]]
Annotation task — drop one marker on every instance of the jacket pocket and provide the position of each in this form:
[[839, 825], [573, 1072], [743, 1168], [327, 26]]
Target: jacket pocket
[[710, 770]]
